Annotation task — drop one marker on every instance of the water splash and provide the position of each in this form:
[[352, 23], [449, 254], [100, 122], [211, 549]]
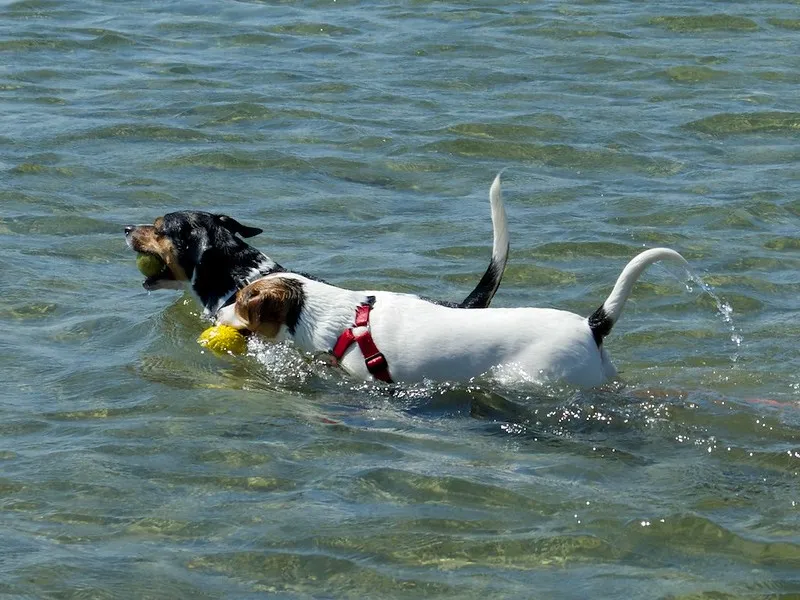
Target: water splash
[[282, 363], [724, 308]]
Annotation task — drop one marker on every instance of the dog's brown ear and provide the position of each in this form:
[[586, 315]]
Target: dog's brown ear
[[267, 305], [234, 226]]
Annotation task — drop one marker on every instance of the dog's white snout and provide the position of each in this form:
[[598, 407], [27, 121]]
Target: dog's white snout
[[227, 316]]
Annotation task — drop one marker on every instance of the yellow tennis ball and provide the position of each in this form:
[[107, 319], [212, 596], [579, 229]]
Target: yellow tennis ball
[[223, 339], [149, 265]]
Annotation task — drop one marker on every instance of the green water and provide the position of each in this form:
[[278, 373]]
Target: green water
[[362, 137]]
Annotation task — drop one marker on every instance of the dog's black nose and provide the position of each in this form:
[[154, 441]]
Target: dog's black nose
[[128, 229]]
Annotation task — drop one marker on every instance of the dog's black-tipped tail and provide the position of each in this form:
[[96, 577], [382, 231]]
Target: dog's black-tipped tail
[[603, 319], [483, 293]]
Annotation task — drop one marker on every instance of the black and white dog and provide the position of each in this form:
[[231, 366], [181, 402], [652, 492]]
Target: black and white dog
[[203, 251], [402, 338]]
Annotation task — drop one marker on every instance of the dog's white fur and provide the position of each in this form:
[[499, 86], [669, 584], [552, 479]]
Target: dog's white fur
[[422, 340]]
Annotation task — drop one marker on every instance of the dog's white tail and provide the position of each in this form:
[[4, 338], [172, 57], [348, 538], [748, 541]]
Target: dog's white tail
[[499, 225], [604, 317], [482, 295]]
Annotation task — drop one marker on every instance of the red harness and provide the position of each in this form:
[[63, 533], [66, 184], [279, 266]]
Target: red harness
[[375, 361]]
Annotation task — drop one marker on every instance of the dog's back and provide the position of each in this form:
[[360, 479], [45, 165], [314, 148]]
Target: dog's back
[[423, 341]]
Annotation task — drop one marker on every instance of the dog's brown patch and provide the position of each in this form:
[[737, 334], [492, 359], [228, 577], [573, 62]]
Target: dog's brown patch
[[267, 304], [149, 239]]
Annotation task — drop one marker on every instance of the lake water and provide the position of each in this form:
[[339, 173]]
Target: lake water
[[362, 137]]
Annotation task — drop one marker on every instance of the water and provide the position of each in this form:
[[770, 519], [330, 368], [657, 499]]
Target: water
[[363, 138], [724, 309]]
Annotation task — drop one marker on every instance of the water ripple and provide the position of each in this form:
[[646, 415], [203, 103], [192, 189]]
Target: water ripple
[[757, 122], [362, 138]]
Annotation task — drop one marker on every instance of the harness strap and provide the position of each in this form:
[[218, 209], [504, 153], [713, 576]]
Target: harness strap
[[376, 362]]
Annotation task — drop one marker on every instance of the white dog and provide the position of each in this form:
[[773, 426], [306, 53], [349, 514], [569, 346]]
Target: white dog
[[404, 338]]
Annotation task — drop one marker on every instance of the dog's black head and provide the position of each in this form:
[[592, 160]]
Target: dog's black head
[[202, 250]]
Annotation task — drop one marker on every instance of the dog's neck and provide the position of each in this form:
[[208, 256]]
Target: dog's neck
[[218, 276], [326, 312]]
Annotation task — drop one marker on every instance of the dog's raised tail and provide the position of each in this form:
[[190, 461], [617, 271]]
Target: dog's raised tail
[[603, 319], [483, 293]]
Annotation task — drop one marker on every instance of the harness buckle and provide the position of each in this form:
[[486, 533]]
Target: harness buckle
[[376, 363]]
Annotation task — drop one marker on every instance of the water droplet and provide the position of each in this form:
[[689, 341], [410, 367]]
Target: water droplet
[[725, 310]]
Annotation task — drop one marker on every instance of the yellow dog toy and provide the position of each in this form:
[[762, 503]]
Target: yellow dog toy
[[223, 339], [149, 265]]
